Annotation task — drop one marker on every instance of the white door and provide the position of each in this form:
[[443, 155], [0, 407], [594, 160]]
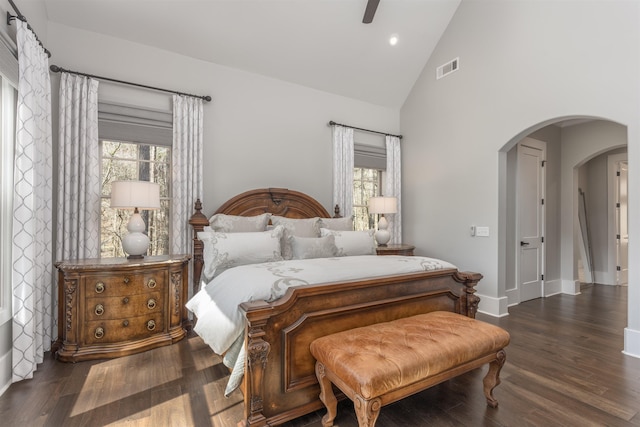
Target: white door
[[530, 218], [622, 237]]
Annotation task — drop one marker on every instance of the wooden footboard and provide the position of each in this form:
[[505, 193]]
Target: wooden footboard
[[280, 382]]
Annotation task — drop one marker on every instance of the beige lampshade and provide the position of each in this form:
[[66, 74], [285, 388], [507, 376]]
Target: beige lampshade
[[383, 205], [135, 194]]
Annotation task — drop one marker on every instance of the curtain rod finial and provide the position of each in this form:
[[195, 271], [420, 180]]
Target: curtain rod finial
[[55, 68], [207, 98]]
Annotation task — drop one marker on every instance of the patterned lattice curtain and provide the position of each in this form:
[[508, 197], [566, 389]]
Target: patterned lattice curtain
[[32, 275]]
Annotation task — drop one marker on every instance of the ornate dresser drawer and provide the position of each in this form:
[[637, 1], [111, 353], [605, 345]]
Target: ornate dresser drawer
[[110, 285], [114, 307]]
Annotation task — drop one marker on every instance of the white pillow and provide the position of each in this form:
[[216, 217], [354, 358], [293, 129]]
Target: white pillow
[[299, 227], [351, 243], [239, 224], [340, 224], [226, 250], [313, 247]]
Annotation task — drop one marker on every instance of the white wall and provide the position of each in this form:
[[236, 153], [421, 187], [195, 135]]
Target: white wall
[[523, 65], [259, 132]]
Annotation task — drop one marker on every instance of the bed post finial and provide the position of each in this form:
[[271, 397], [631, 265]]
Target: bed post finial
[[336, 212], [198, 221]]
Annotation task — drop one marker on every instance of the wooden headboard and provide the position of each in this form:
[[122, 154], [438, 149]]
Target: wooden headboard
[[277, 201]]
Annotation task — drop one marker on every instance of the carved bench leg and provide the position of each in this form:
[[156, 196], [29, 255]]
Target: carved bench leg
[[326, 396], [367, 411], [492, 379]]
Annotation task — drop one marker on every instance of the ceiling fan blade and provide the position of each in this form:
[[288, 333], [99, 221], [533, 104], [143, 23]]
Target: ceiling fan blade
[[370, 11]]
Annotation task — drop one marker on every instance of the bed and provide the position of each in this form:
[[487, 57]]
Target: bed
[[279, 382]]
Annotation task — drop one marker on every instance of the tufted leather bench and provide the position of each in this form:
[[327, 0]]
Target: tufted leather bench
[[379, 364]]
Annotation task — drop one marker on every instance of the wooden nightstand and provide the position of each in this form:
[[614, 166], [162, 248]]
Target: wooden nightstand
[[114, 307], [400, 249]]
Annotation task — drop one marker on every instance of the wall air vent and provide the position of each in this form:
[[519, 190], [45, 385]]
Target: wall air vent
[[447, 68]]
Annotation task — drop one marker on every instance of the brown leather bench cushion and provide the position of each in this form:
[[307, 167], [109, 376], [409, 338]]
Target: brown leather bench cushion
[[376, 359]]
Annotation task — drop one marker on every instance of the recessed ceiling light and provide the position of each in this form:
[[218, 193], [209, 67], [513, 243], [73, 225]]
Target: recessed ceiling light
[[393, 40]]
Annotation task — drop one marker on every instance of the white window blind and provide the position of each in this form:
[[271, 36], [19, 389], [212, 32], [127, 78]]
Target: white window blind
[[369, 157], [118, 122]]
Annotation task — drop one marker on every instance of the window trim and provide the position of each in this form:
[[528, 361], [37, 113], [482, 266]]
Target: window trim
[[8, 98]]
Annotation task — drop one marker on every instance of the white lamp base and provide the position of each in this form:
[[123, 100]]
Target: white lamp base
[[382, 235], [136, 242]]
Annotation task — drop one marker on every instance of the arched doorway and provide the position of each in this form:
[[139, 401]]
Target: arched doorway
[[571, 144]]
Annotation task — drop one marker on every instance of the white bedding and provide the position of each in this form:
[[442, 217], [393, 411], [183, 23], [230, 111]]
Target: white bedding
[[220, 321]]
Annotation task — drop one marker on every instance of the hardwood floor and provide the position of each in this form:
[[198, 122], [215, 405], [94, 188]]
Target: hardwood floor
[[564, 368]]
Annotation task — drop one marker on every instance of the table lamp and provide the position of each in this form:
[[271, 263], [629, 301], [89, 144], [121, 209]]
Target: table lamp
[[383, 205], [135, 195]]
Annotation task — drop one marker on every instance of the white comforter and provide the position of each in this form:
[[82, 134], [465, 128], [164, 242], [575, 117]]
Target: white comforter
[[220, 321]]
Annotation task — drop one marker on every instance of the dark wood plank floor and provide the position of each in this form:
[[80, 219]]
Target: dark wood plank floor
[[564, 368]]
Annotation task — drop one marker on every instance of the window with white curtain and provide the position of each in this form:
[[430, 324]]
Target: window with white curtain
[[369, 165], [8, 100], [135, 144]]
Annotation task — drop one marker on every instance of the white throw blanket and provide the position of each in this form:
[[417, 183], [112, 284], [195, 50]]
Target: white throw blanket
[[221, 323]]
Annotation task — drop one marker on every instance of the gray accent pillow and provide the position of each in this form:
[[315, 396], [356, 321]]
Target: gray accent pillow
[[304, 227], [313, 247], [339, 224], [239, 224]]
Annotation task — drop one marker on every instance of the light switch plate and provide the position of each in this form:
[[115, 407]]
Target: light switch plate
[[482, 231]]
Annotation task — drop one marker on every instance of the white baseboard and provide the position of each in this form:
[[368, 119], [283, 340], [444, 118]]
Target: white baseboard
[[631, 342], [604, 278], [552, 287], [5, 372], [571, 287], [496, 307]]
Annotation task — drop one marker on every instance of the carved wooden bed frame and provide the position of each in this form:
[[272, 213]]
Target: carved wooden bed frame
[[279, 382]]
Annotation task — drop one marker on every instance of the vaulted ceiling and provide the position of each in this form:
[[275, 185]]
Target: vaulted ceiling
[[322, 44]]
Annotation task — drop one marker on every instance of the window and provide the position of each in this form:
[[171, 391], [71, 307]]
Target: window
[[134, 161], [135, 144], [8, 99], [366, 184], [370, 161]]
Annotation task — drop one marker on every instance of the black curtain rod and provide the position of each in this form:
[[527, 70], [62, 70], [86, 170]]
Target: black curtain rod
[[57, 69], [332, 123], [21, 17]]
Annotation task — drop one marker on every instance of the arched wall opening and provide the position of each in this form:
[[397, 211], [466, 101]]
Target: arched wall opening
[[572, 141]]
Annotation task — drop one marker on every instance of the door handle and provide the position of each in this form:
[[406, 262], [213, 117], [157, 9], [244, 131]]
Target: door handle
[[524, 243]]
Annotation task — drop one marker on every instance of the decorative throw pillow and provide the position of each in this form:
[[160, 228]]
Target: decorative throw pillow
[[351, 243], [340, 224], [239, 224], [313, 247], [226, 250], [304, 227]]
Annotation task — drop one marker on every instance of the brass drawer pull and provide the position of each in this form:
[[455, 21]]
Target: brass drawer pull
[[125, 300], [99, 333], [151, 283], [99, 287], [99, 310], [125, 323], [151, 325], [126, 280], [151, 304]]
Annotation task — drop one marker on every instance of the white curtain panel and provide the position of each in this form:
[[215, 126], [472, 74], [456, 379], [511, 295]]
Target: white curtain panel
[[343, 169], [78, 224], [32, 278], [187, 165], [393, 186]]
